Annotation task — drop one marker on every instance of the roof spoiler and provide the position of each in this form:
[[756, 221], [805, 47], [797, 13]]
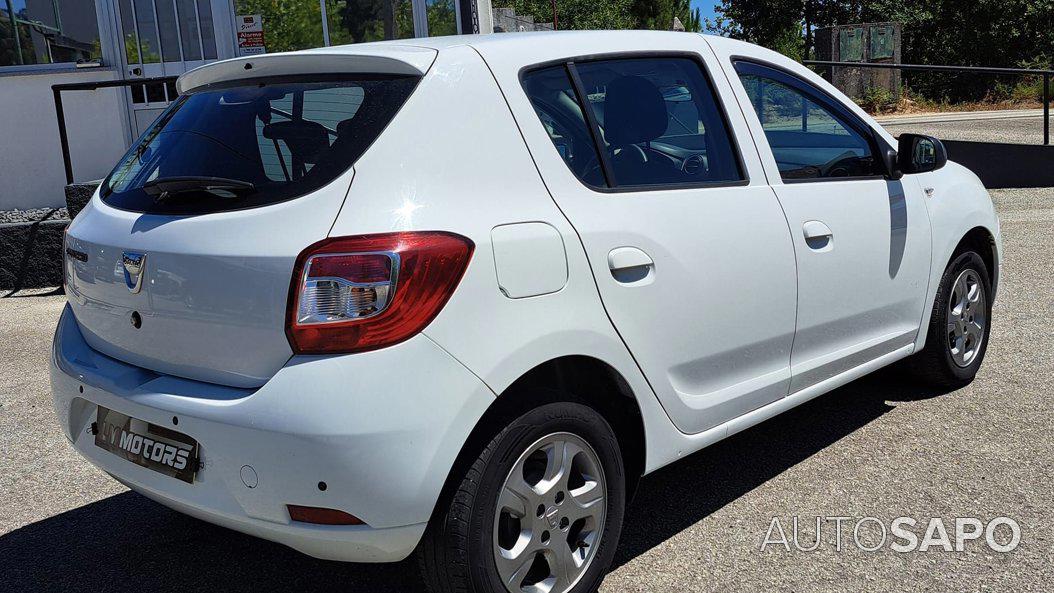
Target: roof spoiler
[[385, 59]]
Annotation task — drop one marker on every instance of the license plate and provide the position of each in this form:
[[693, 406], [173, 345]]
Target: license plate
[[149, 445]]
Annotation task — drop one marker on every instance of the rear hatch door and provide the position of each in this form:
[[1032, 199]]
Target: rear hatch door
[[182, 262]]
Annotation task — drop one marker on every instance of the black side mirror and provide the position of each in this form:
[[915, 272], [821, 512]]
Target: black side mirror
[[917, 153]]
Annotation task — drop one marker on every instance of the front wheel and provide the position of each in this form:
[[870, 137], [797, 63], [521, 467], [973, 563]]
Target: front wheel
[[540, 509], [959, 325]]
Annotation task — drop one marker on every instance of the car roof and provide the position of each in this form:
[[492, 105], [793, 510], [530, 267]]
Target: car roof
[[523, 46], [414, 56]]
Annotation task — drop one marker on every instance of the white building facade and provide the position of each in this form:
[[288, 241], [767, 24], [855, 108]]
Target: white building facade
[[49, 42]]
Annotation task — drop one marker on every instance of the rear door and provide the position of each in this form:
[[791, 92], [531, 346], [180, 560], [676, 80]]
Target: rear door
[[688, 245], [862, 240], [182, 264]]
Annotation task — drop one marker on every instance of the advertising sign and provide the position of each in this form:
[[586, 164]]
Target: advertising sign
[[250, 35]]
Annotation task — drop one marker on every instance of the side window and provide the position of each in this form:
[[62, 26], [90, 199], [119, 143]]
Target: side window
[[555, 102], [808, 139], [657, 122]]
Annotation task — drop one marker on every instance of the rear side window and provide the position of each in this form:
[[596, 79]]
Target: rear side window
[[253, 145], [655, 122], [557, 105]]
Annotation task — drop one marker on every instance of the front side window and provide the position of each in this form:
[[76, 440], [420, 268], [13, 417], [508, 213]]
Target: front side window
[[253, 145], [809, 139], [651, 122]]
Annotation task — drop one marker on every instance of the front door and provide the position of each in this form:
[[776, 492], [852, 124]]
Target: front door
[[688, 245], [162, 38], [862, 241]]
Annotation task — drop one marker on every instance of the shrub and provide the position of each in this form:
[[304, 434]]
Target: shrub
[[877, 99]]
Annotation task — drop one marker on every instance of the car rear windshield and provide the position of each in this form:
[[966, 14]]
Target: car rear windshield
[[255, 144]]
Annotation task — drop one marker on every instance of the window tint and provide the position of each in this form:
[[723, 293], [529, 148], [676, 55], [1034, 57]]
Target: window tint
[[808, 140], [555, 102], [268, 142], [659, 121]]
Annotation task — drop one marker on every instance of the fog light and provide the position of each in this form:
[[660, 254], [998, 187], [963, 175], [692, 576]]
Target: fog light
[[321, 516]]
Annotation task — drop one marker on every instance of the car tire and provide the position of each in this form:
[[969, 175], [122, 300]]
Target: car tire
[[480, 541], [959, 326]]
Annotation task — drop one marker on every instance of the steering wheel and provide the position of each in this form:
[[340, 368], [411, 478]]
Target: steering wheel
[[840, 166]]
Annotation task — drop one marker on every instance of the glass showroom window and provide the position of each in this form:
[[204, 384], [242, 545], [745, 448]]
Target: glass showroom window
[[310, 23], [357, 21], [36, 32]]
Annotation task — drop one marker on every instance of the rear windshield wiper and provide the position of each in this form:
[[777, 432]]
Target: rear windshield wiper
[[163, 187]]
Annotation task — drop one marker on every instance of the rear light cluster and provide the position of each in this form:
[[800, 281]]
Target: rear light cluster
[[352, 294]]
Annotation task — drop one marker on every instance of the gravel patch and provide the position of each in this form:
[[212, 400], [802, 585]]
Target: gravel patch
[[32, 215]]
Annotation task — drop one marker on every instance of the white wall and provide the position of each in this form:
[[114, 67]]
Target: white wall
[[31, 171]]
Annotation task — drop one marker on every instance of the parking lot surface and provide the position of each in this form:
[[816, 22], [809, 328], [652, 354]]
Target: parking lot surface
[[881, 447], [1012, 127]]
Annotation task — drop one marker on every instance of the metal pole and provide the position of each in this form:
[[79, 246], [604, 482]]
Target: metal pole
[[63, 140], [325, 23], [1046, 108], [18, 42]]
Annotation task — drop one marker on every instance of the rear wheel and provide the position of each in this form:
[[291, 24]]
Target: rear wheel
[[959, 325], [538, 511]]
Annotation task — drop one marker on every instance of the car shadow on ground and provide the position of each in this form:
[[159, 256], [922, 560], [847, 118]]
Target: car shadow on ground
[[129, 542]]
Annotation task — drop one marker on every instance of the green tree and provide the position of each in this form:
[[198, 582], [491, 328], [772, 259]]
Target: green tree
[[978, 32], [659, 14], [580, 14], [288, 24], [784, 25]]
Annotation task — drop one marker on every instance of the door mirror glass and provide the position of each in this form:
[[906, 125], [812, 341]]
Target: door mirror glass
[[917, 153]]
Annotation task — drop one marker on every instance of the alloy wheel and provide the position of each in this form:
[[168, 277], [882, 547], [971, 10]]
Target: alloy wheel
[[967, 316], [550, 515]]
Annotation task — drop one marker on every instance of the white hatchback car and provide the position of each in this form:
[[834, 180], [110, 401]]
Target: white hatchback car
[[457, 295]]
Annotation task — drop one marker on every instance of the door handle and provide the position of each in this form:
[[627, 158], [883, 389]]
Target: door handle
[[630, 265], [818, 235]]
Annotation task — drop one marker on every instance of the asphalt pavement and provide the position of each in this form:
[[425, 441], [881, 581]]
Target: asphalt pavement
[[881, 447], [1023, 126]]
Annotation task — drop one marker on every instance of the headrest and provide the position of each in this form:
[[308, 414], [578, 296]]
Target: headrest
[[306, 139], [634, 111]]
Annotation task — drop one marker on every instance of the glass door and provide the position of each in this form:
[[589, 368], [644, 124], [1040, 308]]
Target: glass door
[[162, 38]]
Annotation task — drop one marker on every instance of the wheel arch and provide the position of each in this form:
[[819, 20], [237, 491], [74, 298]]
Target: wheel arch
[[981, 240], [577, 378], [979, 237]]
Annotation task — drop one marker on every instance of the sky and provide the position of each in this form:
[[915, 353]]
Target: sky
[[706, 8]]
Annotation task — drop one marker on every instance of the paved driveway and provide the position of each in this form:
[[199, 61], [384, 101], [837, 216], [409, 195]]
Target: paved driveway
[[880, 447], [1013, 127]]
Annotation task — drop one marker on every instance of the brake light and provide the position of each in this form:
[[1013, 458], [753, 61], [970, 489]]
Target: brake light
[[352, 294]]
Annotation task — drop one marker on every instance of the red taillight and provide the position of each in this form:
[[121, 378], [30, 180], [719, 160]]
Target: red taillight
[[321, 516], [351, 294]]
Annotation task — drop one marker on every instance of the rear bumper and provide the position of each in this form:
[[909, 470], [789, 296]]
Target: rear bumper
[[382, 429]]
